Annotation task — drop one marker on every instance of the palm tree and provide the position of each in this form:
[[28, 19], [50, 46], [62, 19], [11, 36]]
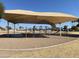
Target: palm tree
[[34, 28], [1, 10]]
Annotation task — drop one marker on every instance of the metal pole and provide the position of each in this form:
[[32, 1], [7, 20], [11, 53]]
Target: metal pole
[[7, 27], [60, 29], [40, 29], [46, 29], [14, 28], [33, 31], [26, 31]]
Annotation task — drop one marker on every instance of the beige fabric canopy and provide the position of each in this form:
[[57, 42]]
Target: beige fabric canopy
[[25, 16]]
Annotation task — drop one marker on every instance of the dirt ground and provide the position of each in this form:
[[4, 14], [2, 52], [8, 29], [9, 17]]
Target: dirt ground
[[52, 46]]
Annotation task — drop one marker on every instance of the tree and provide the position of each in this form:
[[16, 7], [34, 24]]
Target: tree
[[74, 28], [65, 28], [1, 10], [53, 26], [21, 28], [8, 27], [78, 23]]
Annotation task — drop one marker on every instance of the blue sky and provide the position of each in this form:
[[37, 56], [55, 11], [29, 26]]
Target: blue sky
[[65, 6]]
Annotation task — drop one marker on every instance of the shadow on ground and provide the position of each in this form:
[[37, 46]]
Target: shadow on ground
[[30, 35], [23, 36], [67, 35]]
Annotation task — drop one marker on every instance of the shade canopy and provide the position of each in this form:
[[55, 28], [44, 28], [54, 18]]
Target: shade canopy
[[25, 16]]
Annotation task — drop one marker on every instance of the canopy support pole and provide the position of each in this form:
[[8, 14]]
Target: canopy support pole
[[26, 31], [60, 30], [34, 31], [14, 28], [7, 27]]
